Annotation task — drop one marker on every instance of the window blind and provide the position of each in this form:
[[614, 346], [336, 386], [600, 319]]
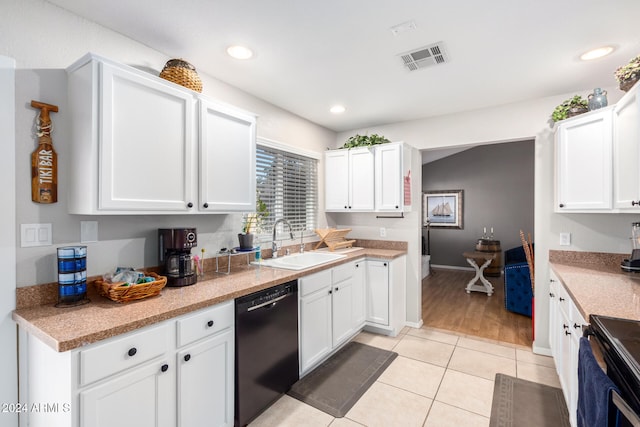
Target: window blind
[[288, 184]]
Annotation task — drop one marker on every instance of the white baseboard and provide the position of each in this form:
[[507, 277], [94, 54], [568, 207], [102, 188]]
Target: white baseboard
[[414, 324], [545, 351]]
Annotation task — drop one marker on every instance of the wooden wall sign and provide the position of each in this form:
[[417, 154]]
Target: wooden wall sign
[[44, 161]]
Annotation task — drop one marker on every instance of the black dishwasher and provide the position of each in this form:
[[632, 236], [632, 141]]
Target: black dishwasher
[[266, 356]]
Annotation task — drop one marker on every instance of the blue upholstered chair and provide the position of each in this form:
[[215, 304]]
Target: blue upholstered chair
[[517, 282]]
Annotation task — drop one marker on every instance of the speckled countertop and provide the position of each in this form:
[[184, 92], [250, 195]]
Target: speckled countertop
[[68, 328], [597, 284]]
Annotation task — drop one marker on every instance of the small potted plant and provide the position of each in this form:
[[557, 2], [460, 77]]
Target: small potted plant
[[364, 141], [252, 222], [629, 74], [569, 108]]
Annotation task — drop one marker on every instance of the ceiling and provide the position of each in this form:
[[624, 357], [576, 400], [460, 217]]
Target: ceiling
[[310, 55]]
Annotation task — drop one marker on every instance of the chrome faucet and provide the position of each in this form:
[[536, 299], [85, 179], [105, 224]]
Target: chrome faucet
[[274, 244], [301, 242]]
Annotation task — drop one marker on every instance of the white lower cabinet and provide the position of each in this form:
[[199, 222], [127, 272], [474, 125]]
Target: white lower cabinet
[[331, 311], [565, 330], [386, 290], [176, 373], [335, 304]]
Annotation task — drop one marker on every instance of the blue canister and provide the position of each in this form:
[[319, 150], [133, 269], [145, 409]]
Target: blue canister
[[72, 275], [258, 253], [597, 99]]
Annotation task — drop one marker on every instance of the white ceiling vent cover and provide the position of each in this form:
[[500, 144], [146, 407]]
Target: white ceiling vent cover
[[423, 57]]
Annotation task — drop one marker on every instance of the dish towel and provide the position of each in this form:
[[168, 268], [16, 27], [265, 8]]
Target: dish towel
[[594, 387]]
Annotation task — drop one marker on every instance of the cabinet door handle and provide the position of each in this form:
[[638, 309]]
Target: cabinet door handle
[[187, 357], [561, 299], [132, 351], [164, 368], [567, 332], [552, 280], [206, 205], [576, 326], [551, 295], [210, 323], [565, 326], [635, 203], [561, 205], [189, 205]]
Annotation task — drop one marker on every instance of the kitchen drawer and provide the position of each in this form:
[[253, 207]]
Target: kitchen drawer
[[343, 272], [102, 360], [314, 282], [205, 322]]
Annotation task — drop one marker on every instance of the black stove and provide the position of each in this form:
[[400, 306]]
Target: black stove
[[619, 341]]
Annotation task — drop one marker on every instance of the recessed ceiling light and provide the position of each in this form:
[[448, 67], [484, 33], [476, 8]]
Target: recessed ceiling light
[[239, 52], [596, 53], [338, 109]]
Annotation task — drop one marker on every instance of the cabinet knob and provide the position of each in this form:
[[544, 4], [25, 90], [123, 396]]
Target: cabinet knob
[[397, 206], [164, 368], [345, 206], [206, 205], [337, 289], [330, 291], [561, 205], [385, 264], [132, 351], [552, 280], [561, 299], [210, 323], [551, 295], [187, 357], [189, 205], [635, 203]]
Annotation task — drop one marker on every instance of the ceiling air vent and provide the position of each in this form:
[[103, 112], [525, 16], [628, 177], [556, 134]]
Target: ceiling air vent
[[423, 57]]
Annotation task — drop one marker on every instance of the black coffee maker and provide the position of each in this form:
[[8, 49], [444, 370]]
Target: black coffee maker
[[177, 263]]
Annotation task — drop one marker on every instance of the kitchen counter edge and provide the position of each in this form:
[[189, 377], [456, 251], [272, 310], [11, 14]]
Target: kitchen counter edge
[[65, 329]]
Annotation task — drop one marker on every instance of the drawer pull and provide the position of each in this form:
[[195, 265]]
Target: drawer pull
[[635, 202], [164, 368], [567, 332], [187, 357], [565, 326], [561, 299], [210, 323], [132, 351]]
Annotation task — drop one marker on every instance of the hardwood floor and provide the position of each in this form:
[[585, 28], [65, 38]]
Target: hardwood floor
[[446, 305]]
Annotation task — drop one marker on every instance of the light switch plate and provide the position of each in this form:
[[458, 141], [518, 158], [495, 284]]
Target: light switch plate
[[565, 239], [88, 231], [383, 232], [32, 235]]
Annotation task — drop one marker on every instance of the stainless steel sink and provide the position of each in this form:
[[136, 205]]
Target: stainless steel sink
[[300, 261]]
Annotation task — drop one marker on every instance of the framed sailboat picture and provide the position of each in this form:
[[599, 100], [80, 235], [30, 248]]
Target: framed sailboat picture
[[443, 209]]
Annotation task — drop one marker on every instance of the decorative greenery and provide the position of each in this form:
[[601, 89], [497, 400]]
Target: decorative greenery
[[561, 112], [365, 141], [254, 221], [629, 71]]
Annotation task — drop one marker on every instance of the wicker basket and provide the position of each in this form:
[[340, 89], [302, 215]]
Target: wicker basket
[[625, 85], [117, 292], [181, 72]]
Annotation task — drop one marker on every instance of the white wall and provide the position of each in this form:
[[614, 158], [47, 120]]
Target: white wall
[[514, 122], [44, 40], [8, 347]]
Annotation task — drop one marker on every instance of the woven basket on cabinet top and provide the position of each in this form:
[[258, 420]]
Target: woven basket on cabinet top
[[181, 72]]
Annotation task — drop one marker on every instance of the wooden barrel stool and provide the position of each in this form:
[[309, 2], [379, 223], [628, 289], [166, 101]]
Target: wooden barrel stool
[[492, 246]]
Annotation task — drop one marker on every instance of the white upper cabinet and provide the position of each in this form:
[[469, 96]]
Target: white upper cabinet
[[227, 159], [136, 140], [367, 179], [626, 151], [584, 162], [392, 166], [349, 180]]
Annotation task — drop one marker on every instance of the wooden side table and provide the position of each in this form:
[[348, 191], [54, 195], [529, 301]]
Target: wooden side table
[[485, 259]]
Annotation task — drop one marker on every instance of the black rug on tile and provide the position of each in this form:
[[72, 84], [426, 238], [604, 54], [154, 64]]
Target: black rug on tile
[[337, 384], [521, 403]]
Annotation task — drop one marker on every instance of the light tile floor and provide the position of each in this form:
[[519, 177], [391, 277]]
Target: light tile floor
[[439, 379]]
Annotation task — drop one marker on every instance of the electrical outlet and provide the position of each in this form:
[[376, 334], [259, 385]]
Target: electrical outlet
[[88, 231], [565, 239], [383, 232]]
